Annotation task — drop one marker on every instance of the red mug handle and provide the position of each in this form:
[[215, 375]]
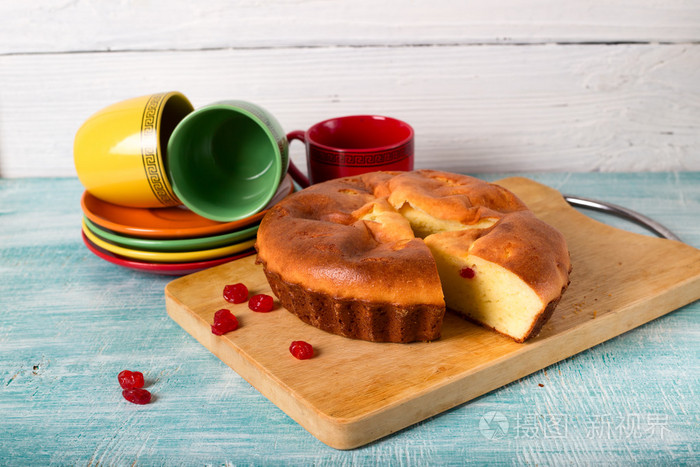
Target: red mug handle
[[293, 170]]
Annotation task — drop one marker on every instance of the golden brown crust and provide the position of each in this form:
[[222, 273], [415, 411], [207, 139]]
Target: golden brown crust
[[521, 243], [358, 319], [335, 262], [312, 239], [452, 196]]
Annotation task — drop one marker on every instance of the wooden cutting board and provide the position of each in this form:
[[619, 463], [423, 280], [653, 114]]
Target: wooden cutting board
[[353, 392]]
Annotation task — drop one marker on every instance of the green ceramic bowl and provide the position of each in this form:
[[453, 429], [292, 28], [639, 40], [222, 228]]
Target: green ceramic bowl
[[226, 160]]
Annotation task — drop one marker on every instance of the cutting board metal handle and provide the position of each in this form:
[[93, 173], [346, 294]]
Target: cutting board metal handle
[[624, 213]]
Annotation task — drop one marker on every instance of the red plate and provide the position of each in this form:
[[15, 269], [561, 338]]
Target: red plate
[[170, 269]]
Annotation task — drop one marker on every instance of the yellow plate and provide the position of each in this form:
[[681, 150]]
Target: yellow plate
[[167, 257]]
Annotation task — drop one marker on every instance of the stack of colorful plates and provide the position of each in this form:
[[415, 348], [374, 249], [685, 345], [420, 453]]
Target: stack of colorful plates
[[173, 241]]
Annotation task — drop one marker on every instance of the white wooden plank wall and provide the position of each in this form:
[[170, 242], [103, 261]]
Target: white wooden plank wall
[[508, 85]]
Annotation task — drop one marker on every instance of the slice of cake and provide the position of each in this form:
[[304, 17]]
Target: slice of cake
[[512, 289]]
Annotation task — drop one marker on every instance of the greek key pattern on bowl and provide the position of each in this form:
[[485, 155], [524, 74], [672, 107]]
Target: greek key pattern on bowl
[[150, 156], [359, 159]]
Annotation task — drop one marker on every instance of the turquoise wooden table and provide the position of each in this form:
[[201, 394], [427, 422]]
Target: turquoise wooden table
[[70, 322]]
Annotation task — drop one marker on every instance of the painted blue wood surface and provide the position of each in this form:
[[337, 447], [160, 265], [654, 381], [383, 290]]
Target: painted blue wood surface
[[69, 322]]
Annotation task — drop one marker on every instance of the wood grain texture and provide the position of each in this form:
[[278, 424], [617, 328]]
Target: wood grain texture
[[475, 109], [50, 26], [70, 322], [354, 392], [529, 85]]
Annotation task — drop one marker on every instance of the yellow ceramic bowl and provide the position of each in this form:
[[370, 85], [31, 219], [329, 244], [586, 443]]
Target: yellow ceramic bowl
[[119, 152]]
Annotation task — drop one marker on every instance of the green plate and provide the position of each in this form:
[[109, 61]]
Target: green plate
[[184, 244]]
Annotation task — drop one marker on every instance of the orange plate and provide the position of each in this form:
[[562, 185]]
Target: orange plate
[[173, 222]]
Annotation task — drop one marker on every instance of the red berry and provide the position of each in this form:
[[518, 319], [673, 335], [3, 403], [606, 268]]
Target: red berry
[[301, 350], [261, 303], [130, 379], [467, 273], [137, 396], [224, 322], [236, 293], [223, 315]]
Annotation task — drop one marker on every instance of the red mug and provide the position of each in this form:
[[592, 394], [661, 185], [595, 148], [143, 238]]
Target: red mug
[[353, 145]]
